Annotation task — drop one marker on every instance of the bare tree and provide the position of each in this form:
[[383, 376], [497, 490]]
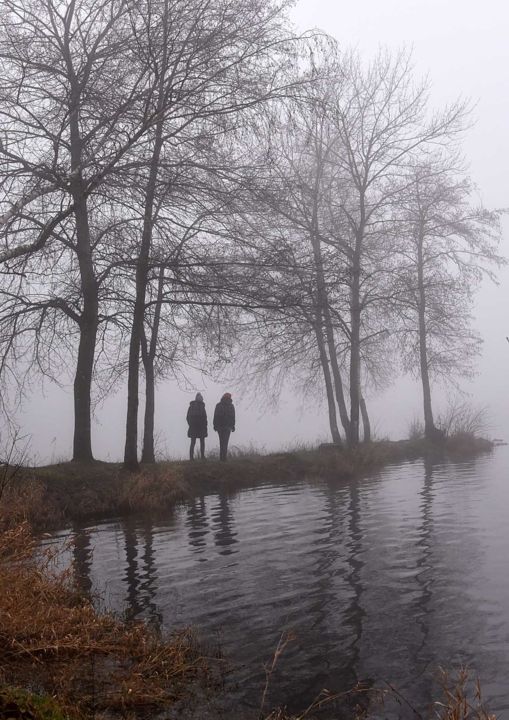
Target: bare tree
[[72, 105], [335, 173], [293, 183], [446, 246], [382, 122], [207, 65], [307, 190]]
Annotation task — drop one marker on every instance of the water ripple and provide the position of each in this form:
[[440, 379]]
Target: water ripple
[[384, 578]]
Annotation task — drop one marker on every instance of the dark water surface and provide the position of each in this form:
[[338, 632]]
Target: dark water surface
[[382, 579]]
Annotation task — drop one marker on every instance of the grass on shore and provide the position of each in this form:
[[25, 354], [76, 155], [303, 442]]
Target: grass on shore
[[55, 495], [52, 639]]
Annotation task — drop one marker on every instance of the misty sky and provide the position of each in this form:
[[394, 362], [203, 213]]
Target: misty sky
[[462, 46]]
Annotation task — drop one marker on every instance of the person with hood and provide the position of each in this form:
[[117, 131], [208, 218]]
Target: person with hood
[[197, 422], [224, 423]]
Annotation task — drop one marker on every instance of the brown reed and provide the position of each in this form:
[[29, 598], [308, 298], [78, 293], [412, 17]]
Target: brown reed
[[51, 637]]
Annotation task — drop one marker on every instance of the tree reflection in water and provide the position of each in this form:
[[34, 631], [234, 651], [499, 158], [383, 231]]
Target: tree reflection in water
[[140, 571], [82, 558]]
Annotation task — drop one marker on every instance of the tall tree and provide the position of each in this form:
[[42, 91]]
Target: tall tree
[[382, 122], [446, 247], [208, 65], [72, 104]]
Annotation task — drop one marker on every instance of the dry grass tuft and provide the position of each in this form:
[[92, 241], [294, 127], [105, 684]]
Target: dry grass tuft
[[152, 491], [356, 700], [26, 500], [462, 698], [52, 638]]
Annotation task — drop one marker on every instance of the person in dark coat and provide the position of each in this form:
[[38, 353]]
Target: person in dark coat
[[224, 423], [197, 422]]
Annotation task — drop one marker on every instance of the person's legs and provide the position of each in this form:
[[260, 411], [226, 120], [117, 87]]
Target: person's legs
[[221, 444], [202, 448], [191, 448], [226, 440], [224, 436]]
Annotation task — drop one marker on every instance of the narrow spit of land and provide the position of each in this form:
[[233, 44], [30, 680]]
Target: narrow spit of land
[[55, 495]]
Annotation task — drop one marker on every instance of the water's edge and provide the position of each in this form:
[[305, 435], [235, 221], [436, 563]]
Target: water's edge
[[381, 579]]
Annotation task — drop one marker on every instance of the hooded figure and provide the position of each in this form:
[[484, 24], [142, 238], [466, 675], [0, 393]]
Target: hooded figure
[[224, 423], [197, 424]]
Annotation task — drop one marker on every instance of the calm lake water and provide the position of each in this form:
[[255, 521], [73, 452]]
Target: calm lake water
[[383, 579]]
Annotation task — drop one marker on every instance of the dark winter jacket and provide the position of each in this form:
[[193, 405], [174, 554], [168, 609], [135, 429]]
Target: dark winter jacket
[[197, 419], [224, 415]]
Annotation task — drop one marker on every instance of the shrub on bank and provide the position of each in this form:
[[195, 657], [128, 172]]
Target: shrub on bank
[[466, 443], [20, 703]]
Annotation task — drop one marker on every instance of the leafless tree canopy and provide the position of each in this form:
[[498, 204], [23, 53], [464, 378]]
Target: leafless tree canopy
[[182, 182]]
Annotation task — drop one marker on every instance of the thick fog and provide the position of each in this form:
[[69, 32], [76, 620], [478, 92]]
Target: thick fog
[[462, 46]]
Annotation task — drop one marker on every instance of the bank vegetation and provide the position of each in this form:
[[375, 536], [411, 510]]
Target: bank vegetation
[[56, 495], [53, 639]]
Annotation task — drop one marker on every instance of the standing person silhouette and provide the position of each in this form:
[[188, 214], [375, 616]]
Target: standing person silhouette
[[197, 422], [224, 423]]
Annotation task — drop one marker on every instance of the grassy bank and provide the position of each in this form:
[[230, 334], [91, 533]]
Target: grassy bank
[[55, 495], [80, 661]]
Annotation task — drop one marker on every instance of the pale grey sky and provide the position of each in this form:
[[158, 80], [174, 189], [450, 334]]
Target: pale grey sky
[[462, 45]]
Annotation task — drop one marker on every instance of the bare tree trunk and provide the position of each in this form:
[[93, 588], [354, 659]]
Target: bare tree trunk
[[133, 378], [89, 320], [429, 424], [336, 374], [148, 453], [148, 355], [323, 301], [82, 444], [365, 420], [355, 356], [131, 435], [324, 360]]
